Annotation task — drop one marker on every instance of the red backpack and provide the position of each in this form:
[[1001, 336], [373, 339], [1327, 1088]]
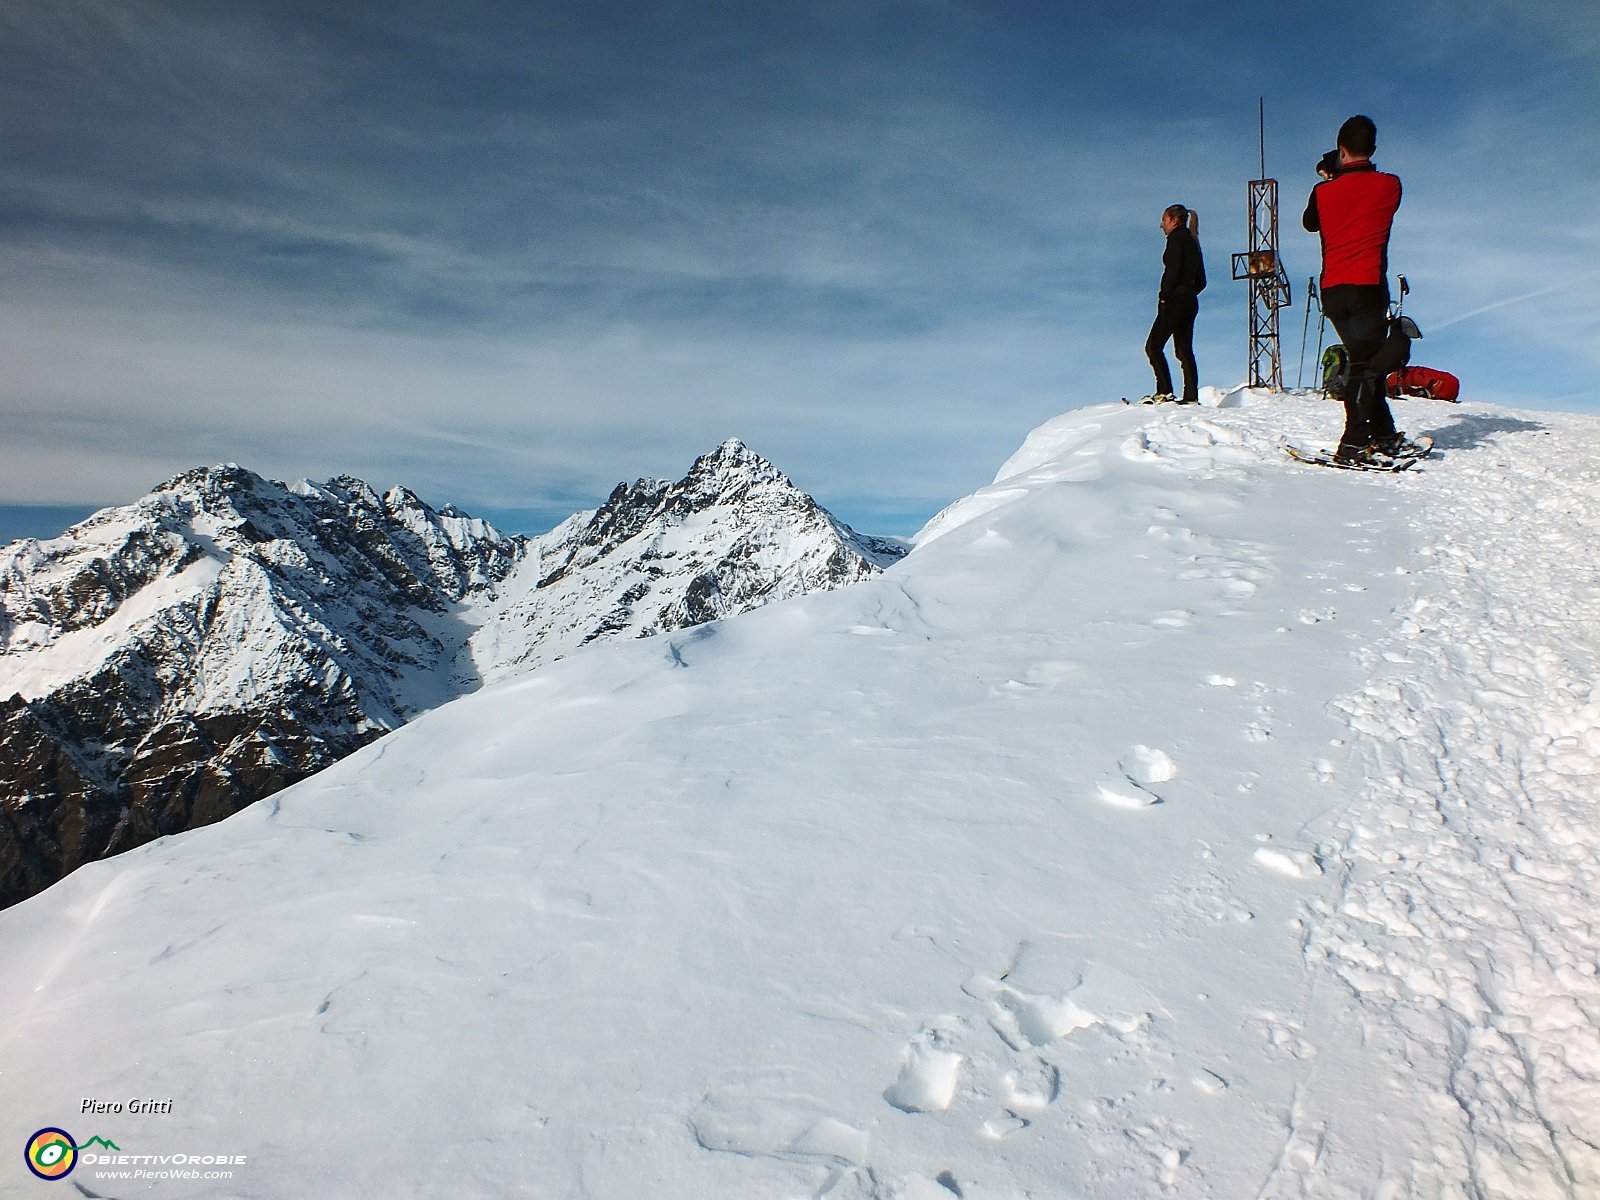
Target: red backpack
[[1425, 381]]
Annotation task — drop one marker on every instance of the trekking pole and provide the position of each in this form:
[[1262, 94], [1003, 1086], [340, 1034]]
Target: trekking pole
[[1311, 290], [1322, 326]]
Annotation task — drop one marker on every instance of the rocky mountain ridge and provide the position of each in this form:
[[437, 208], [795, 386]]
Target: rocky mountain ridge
[[661, 555], [166, 663]]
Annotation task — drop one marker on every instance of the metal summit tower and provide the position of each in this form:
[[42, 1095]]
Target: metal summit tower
[[1269, 285]]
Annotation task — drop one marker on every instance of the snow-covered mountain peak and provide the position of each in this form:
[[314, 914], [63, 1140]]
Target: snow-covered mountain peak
[[224, 489], [732, 534], [731, 477], [730, 466]]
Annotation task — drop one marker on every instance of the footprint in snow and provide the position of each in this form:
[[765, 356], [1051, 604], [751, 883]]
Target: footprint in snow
[[1124, 793], [1146, 764], [1142, 766], [1034, 1086], [1026, 1021], [929, 1075], [997, 1129], [1295, 864], [760, 1124]]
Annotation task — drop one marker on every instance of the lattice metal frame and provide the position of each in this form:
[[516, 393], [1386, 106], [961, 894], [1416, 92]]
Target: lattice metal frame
[[1269, 285]]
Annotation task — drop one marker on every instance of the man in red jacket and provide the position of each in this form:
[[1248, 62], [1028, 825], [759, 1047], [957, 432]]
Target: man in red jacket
[[1353, 211]]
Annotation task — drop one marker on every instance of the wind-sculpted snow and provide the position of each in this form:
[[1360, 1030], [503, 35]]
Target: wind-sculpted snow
[[1175, 821]]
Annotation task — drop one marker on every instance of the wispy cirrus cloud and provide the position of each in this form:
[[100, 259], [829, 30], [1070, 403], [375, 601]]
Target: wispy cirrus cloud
[[509, 253]]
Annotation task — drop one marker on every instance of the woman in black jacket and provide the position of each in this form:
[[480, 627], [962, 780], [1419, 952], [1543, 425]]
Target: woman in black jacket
[[1182, 281]]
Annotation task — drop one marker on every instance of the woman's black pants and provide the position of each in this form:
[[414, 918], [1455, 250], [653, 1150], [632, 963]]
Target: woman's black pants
[[1174, 320]]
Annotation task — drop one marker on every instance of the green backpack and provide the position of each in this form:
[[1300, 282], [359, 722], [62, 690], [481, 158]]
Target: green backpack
[[1335, 368]]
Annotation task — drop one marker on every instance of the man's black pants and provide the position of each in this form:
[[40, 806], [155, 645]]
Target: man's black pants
[[1360, 316], [1175, 320]]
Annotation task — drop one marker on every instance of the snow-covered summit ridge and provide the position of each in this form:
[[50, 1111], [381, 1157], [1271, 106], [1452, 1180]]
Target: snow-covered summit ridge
[[1178, 821]]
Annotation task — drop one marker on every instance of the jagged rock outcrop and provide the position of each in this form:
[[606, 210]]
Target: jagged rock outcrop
[[164, 664]]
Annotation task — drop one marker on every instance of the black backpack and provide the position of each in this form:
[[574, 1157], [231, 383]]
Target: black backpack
[[1395, 352]]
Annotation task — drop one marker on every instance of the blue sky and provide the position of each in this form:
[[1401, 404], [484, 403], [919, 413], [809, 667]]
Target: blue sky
[[508, 253]]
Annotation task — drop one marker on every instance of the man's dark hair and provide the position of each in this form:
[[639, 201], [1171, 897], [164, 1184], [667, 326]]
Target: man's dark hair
[[1359, 136]]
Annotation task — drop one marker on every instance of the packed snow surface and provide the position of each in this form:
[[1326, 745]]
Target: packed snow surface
[[1174, 820]]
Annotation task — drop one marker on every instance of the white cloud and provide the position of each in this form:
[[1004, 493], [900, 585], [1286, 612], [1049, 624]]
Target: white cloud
[[880, 268]]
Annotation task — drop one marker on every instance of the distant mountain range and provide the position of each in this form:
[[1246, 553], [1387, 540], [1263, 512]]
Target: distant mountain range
[[166, 663]]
